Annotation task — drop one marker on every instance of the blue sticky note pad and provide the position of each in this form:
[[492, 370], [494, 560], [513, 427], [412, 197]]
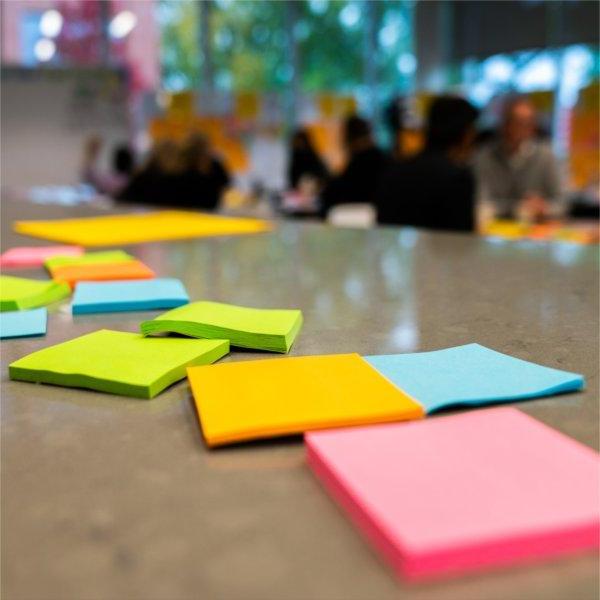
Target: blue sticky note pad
[[23, 323], [118, 296], [471, 375]]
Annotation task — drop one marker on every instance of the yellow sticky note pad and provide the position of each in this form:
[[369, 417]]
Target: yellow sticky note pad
[[255, 399], [115, 230]]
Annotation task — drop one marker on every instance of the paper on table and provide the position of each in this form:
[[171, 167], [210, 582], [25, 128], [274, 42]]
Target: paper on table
[[18, 293], [463, 492], [267, 398], [105, 257], [133, 269], [35, 256], [115, 230], [114, 296], [257, 328], [23, 323], [117, 362], [471, 375]]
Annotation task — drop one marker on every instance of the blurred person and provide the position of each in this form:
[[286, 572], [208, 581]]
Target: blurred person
[[110, 182], [517, 174], [158, 180], [394, 117], [204, 178], [358, 182], [304, 161], [435, 189]]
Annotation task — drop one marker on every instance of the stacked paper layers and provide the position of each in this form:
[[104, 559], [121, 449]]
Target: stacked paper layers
[[248, 400], [17, 293], [117, 362], [97, 266], [35, 256], [462, 492], [23, 323], [116, 296], [259, 329], [116, 230]]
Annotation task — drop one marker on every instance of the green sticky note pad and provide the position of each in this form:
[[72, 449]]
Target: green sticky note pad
[[256, 328], [89, 258], [118, 362], [18, 293]]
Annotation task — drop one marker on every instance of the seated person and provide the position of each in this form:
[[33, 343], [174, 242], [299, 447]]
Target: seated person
[[517, 175], [435, 189], [204, 178], [360, 179], [159, 179], [111, 182], [304, 162]]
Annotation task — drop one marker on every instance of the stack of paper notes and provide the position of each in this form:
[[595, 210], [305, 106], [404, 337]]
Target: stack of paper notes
[[116, 230], [35, 256], [115, 296], [266, 398], [471, 375], [117, 362], [18, 293], [463, 492], [23, 323], [97, 266], [255, 399], [256, 328]]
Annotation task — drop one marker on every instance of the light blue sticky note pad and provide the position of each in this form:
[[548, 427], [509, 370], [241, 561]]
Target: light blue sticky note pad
[[118, 296], [23, 323], [471, 375]]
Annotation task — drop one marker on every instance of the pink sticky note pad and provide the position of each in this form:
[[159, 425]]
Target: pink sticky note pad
[[34, 256], [463, 492]]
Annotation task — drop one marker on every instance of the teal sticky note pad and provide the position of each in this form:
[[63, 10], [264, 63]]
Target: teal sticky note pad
[[23, 323], [471, 375], [118, 296]]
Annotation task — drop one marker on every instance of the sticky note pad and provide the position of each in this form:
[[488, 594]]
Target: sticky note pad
[[23, 323], [115, 296], [115, 230], [117, 362], [35, 256], [463, 492], [71, 274], [267, 398], [257, 328], [18, 293], [471, 375], [89, 258]]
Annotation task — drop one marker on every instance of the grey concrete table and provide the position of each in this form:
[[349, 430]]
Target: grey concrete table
[[105, 497]]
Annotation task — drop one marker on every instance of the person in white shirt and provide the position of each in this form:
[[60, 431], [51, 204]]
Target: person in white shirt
[[517, 174]]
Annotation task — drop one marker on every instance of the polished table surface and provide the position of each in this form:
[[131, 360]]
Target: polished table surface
[[108, 497]]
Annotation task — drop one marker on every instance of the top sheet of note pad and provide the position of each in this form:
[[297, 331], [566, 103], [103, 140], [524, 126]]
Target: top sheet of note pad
[[113, 296], [115, 230], [23, 323], [20, 293], [461, 492], [254, 399], [35, 256], [257, 328], [117, 362], [471, 374]]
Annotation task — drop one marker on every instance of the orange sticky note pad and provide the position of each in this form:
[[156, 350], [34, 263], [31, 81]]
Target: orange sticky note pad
[[255, 399], [71, 274]]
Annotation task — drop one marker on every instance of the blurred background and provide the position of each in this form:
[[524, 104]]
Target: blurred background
[[246, 73]]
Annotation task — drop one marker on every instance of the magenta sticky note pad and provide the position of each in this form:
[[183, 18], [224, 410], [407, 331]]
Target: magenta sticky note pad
[[35, 256], [463, 492]]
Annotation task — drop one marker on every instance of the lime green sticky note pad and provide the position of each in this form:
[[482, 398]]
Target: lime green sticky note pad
[[257, 328], [118, 362], [18, 293], [89, 258]]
